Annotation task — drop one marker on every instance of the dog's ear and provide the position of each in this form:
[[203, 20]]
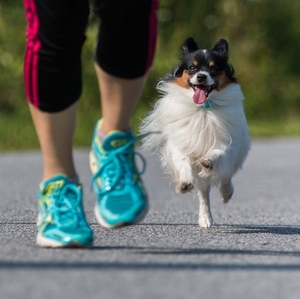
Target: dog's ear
[[222, 47], [178, 71], [190, 46]]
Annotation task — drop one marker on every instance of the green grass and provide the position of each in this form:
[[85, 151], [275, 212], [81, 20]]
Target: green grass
[[271, 129]]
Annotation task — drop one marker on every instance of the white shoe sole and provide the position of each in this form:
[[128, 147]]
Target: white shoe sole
[[47, 243], [104, 224]]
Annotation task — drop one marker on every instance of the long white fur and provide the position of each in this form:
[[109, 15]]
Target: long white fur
[[199, 147]]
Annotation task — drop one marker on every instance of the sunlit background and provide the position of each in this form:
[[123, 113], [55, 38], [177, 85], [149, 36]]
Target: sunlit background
[[264, 41]]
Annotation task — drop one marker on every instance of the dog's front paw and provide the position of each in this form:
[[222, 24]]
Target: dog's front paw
[[184, 187], [205, 222], [206, 163]]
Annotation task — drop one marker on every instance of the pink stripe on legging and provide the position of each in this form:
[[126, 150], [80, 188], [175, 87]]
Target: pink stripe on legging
[[32, 52], [152, 34]]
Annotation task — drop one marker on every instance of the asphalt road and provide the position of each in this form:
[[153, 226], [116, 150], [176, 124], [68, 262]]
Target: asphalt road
[[252, 251]]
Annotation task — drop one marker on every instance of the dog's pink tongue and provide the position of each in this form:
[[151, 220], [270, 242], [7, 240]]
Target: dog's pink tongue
[[199, 96]]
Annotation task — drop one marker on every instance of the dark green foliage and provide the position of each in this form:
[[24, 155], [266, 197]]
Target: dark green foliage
[[264, 43]]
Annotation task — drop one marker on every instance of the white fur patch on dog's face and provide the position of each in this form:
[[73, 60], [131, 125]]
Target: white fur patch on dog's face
[[208, 81]]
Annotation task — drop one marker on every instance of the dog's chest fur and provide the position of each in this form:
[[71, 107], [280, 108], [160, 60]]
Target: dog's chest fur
[[192, 129]]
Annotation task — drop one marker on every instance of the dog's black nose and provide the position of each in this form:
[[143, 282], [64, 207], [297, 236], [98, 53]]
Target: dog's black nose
[[201, 77]]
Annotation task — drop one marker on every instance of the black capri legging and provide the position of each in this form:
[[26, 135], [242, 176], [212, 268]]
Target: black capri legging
[[55, 36]]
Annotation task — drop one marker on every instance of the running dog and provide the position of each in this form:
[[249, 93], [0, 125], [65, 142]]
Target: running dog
[[203, 135]]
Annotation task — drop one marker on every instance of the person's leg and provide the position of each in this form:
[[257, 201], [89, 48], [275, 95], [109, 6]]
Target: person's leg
[[124, 54], [52, 75], [119, 98], [55, 133]]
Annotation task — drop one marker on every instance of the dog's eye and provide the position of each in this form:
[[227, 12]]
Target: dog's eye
[[192, 68]]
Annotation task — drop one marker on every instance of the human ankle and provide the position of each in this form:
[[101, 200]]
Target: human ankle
[[105, 128]]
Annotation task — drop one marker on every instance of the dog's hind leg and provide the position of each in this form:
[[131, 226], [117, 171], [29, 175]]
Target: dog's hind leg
[[205, 218], [226, 190]]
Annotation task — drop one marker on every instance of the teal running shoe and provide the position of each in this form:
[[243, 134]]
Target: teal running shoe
[[121, 197], [61, 221]]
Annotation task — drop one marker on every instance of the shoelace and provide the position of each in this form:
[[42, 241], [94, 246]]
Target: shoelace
[[116, 170], [65, 201]]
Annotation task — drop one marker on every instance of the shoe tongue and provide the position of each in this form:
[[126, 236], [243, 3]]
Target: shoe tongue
[[116, 139], [55, 182], [199, 96]]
